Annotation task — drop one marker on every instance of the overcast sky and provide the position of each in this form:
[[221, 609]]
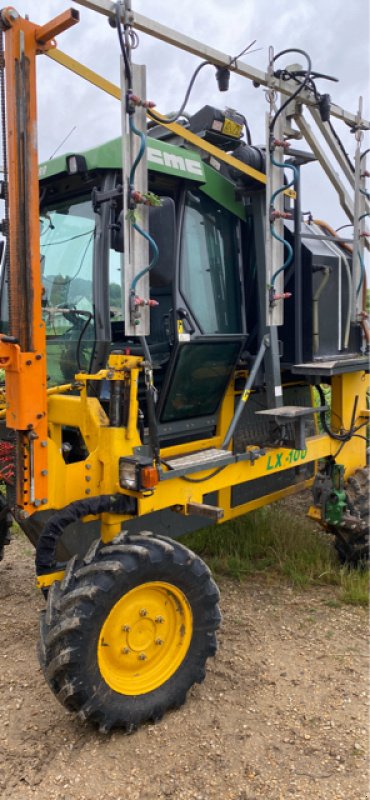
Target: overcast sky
[[334, 32]]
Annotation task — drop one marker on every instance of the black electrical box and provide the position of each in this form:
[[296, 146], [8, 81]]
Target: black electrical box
[[317, 324]]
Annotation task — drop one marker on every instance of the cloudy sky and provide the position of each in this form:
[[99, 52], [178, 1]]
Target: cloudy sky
[[334, 32]]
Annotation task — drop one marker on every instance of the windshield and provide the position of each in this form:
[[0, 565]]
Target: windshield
[[209, 265], [67, 235]]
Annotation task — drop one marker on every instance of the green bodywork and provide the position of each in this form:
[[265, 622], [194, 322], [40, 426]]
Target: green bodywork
[[162, 157], [337, 500]]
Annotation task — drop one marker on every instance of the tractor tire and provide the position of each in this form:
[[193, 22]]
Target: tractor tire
[[352, 545], [128, 630]]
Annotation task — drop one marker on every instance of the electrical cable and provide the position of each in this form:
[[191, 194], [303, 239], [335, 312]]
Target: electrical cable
[[201, 480], [355, 436], [83, 330], [126, 59], [177, 114], [195, 480], [363, 272], [66, 281], [139, 155], [301, 86], [283, 165], [318, 97], [65, 241], [340, 437]]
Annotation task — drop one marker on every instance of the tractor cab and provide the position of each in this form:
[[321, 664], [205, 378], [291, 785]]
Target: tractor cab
[[197, 301]]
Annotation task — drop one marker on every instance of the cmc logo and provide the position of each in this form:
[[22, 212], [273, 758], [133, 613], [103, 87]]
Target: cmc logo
[[174, 161]]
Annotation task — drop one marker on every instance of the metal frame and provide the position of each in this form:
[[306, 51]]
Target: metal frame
[[107, 444]]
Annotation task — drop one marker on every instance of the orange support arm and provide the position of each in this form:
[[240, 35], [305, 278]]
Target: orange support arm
[[23, 352]]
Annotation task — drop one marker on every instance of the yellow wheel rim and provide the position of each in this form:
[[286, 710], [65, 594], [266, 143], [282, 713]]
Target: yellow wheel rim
[[145, 638]]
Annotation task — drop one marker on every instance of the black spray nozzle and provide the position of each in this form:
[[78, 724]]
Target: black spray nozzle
[[223, 78]]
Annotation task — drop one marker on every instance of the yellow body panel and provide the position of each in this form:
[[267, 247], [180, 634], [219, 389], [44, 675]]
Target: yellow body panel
[[99, 473]]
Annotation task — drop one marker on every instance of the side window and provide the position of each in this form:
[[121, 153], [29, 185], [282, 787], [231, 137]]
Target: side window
[[116, 261], [209, 265], [67, 234]]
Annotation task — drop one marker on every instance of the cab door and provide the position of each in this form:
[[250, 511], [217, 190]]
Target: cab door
[[209, 318]]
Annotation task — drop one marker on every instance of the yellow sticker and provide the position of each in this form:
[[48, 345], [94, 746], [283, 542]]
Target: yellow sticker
[[245, 395], [180, 326], [232, 128]]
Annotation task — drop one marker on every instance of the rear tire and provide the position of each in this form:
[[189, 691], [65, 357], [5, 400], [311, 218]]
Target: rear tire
[[352, 545], [106, 651]]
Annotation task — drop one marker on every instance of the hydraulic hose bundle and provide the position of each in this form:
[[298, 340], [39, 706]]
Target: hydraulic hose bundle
[[273, 144]]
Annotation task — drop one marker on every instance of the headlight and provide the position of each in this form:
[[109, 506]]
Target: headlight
[[137, 475], [128, 473]]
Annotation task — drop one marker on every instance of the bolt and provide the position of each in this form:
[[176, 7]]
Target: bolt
[[87, 478], [142, 657], [159, 620], [126, 628], [44, 444], [87, 466], [28, 363], [37, 503], [159, 641], [44, 472], [87, 491], [143, 612], [39, 416], [38, 357], [44, 501], [125, 651]]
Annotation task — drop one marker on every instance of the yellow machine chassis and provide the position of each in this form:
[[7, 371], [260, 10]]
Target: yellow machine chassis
[[98, 474]]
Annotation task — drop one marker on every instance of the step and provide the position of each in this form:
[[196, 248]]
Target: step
[[334, 366], [296, 416], [291, 413], [200, 459]]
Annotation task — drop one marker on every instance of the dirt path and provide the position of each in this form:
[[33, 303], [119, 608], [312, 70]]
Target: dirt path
[[282, 713]]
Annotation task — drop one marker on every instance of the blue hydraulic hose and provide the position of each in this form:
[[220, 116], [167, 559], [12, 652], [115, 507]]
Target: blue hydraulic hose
[[276, 236], [137, 228], [141, 152], [154, 260]]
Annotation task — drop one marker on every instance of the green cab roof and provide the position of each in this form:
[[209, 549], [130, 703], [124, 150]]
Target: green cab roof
[[161, 157]]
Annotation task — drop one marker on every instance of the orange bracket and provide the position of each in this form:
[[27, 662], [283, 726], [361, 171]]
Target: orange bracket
[[45, 34]]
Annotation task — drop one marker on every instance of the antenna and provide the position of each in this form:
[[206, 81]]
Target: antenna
[[62, 143]]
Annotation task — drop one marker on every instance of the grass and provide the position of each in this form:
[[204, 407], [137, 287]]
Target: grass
[[281, 546]]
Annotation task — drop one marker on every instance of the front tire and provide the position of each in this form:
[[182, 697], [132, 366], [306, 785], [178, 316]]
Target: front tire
[[128, 630]]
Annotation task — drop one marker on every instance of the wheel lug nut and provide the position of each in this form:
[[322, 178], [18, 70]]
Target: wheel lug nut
[[126, 628], [143, 612], [142, 657], [159, 619], [159, 641], [125, 651]]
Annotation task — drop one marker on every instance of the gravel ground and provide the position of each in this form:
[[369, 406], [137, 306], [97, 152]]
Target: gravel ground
[[282, 714]]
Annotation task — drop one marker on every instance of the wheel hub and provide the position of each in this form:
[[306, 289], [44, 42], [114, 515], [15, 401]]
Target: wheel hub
[[145, 638]]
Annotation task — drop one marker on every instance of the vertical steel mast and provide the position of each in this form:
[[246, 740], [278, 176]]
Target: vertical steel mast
[[23, 350]]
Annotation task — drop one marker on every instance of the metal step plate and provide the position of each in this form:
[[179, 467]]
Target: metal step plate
[[202, 457]]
